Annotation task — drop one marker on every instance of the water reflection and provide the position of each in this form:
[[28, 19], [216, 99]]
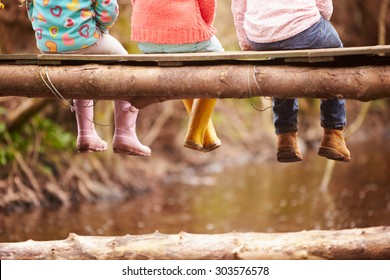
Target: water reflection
[[270, 197]]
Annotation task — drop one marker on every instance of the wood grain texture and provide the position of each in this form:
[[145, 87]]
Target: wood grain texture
[[363, 243]]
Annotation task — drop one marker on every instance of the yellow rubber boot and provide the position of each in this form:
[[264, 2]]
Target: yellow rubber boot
[[210, 140], [200, 115], [188, 105]]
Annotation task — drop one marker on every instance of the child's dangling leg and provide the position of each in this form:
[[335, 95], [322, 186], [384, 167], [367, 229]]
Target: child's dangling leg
[[198, 124], [333, 120], [210, 140], [87, 138], [125, 139]]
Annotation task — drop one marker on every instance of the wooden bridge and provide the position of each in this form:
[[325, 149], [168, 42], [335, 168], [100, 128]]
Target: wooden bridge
[[361, 73]]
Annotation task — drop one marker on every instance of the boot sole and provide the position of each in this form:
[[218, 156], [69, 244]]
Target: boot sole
[[193, 146], [211, 147], [81, 151], [90, 145], [287, 154], [288, 157], [130, 152], [87, 149], [332, 154], [126, 149]]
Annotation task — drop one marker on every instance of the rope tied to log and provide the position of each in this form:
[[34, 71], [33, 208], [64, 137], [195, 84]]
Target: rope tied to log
[[53, 89], [63, 101], [259, 89]]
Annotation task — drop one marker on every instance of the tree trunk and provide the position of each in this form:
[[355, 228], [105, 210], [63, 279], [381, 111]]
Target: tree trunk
[[147, 85], [366, 243]]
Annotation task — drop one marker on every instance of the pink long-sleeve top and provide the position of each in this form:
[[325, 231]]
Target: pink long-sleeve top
[[172, 21], [266, 21]]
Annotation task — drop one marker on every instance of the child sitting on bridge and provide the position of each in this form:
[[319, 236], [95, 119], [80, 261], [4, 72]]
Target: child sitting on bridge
[[166, 26], [81, 27], [287, 25]]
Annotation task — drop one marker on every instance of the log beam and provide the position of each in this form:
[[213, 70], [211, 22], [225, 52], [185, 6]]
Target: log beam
[[364, 243], [144, 85]]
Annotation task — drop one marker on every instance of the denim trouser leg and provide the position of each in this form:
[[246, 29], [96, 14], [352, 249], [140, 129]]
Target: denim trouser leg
[[320, 35], [333, 113], [285, 114]]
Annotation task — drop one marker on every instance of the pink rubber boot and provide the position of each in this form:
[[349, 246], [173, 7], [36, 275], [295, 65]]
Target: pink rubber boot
[[125, 137], [87, 138]]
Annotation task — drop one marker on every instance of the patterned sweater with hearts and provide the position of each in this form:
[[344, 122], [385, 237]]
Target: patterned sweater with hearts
[[69, 25]]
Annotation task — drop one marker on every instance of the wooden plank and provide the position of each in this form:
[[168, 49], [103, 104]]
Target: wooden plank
[[232, 55], [312, 55], [19, 58], [226, 56], [10, 57]]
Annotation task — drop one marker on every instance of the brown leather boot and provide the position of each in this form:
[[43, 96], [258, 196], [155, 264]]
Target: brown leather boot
[[288, 150], [333, 145]]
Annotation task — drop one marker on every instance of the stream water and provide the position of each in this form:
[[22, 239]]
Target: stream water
[[268, 197]]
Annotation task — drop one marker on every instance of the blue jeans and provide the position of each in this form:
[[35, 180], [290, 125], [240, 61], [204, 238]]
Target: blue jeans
[[333, 115], [212, 45]]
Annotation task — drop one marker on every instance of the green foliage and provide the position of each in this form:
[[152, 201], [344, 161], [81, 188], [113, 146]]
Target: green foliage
[[40, 136], [54, 135], [6, 151], [6, 156], [3, 110]]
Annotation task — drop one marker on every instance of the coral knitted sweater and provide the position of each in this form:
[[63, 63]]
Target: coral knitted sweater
[[265, 21], [172, 21]]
